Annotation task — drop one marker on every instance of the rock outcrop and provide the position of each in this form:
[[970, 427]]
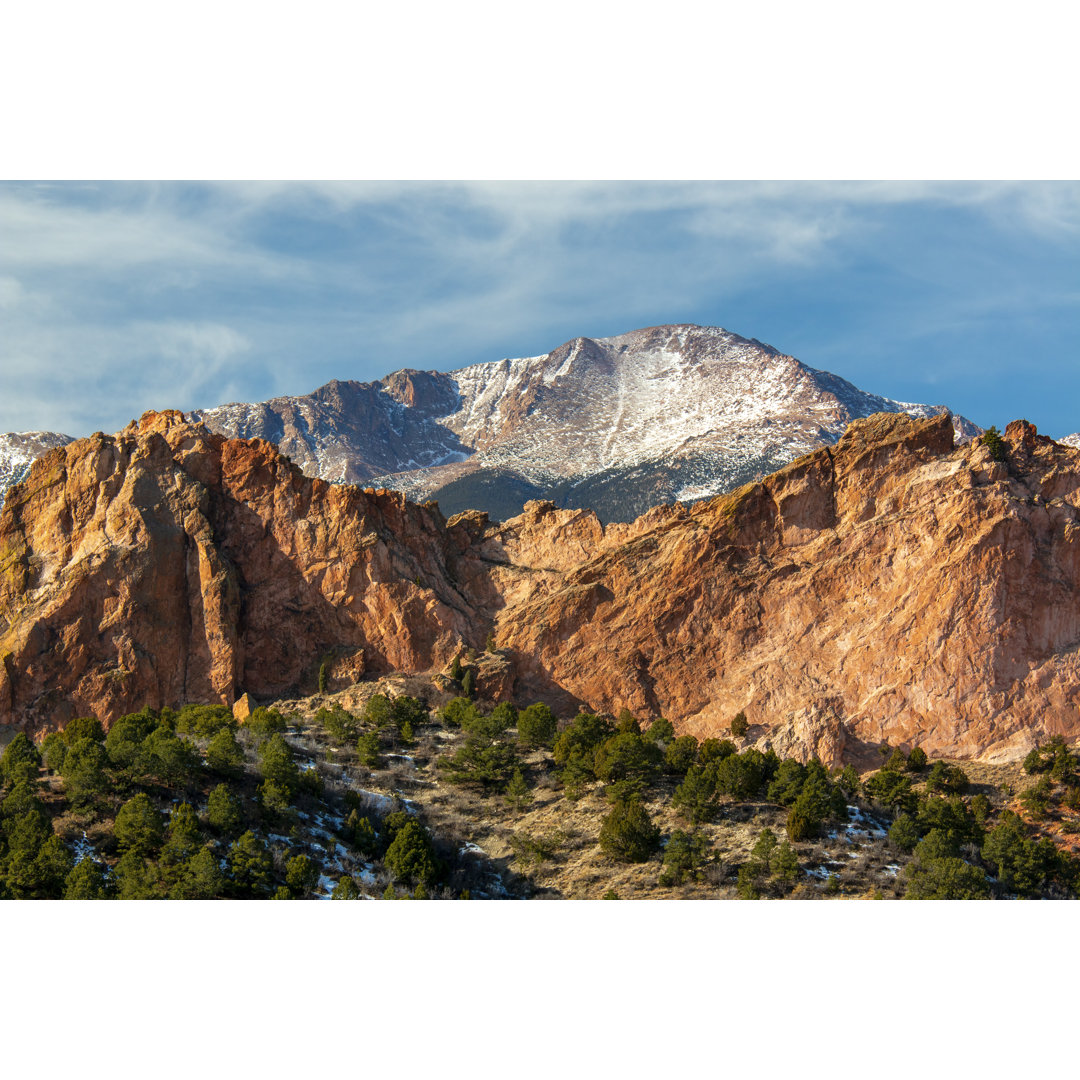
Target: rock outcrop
[[892, 587]]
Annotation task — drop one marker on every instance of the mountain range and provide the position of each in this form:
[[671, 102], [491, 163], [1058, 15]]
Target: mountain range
[[617, 425]]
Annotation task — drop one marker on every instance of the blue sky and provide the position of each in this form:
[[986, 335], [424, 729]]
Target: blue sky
[[119, 297]]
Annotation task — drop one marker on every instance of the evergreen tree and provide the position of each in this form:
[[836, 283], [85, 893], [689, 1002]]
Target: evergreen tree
[[917, 759], [224, 754], [277, 765], [182, 838], [345, 889], [83, 727], [367, 748], [139, 827], [684, 857], [679, 753], [784, 865], [695, 797], [716, 750], [250, 865], [468, 683], [536, 726], [20, 759], [410, 856], [518, 794], [903, 834], [83, 771], [86, 881], [201, 878], [627, 834], [739, 725], [223, 811], [301, 875], [992, 440]]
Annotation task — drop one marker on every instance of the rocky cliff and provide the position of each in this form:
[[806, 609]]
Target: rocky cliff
[[895, 586]]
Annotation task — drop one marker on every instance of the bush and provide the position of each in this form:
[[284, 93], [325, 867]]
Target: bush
[[684, 857], [301, 876], [410, 857], [739, 725], [536, 726], [898, 761], [980, 808], [917, 759], [630, 758], [992, 440], [224, 754], [505, 716], [662, 733], [277, 765], [581, 736], [947, 778], [892, 789], [680, 754], [340, 724], [1036, 799], [204, 721], [264, 722], [742, 776], [536, 848], [903, 833], [481, 762], [627, 834], [695, 797], [367, 748], [517, 794], [945, 879], [458, 712], [345, 889], [715, 750]]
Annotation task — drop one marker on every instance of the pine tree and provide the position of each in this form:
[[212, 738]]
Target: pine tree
[[518, 795]]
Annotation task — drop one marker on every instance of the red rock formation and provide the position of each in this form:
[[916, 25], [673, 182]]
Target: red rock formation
[[890, 587]]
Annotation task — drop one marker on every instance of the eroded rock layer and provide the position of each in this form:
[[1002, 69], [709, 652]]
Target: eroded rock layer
[[894, 586]]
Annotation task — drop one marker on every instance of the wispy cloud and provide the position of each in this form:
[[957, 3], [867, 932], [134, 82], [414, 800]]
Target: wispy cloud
[[119, 297]]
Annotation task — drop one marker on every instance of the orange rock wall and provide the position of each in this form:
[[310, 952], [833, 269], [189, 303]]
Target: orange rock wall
[[891, 587]]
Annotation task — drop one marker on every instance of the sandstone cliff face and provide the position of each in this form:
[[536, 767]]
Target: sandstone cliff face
[[891, 587], [169, 564]]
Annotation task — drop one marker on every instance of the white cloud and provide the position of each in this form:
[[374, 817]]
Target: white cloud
[[12, 293]]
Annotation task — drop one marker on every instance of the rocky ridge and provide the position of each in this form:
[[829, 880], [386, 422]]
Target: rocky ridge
[[895, 586], [19, 450]]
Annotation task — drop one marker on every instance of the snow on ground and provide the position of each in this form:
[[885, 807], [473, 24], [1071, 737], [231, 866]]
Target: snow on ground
[[83, 849]]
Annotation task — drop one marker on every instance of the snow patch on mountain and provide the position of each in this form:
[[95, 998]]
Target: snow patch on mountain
[[19, 449]]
